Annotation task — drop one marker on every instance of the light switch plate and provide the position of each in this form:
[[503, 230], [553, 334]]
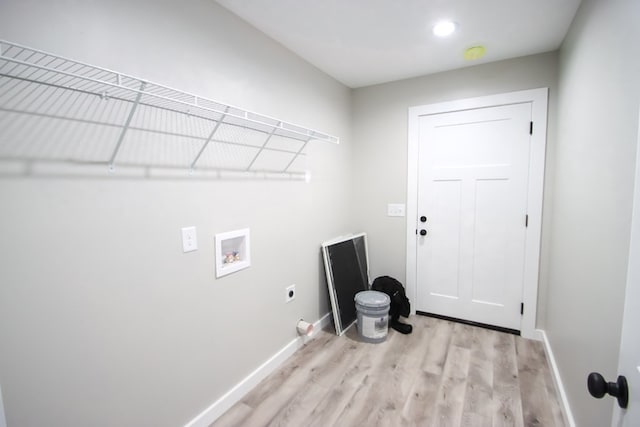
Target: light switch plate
[[395, 209], [189, 239]]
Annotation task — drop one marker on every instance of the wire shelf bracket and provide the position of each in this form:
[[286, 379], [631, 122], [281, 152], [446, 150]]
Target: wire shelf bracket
[[209, 139], [126, 125]]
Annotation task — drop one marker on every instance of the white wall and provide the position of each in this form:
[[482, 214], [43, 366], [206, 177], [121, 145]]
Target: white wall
[[103, 319], [380, 145], [599, 84]]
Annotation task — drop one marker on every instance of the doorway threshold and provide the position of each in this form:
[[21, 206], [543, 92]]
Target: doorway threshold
[[469, 322]]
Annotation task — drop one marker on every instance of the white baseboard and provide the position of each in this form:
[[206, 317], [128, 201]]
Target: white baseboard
[[535, 334], [234, 395], [555, 373]]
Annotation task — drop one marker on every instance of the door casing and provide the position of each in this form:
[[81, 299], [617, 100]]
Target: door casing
[[538, 99]]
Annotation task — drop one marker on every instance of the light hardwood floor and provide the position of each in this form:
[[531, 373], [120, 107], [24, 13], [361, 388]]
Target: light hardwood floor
[[443, 374]]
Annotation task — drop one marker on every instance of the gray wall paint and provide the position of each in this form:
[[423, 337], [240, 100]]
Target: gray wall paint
[[595, 156], [103, 319], [380, 146]]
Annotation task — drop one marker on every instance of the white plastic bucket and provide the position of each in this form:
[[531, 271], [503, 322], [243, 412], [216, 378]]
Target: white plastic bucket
[[373, 315]]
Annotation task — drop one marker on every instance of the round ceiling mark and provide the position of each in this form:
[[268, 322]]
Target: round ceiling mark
[[474, 52], [444, 28]]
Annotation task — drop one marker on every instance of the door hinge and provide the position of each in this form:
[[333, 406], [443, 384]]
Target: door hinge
[[521, 308], [530, 128], [526, 220]]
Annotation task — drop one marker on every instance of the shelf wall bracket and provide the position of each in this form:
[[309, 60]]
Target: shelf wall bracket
[[264, 144], [206, 143], [297, 154], [126, 126]]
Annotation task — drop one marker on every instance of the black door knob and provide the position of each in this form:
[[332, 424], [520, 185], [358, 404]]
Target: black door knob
[[598, 387], [423, 218], [423, 232]]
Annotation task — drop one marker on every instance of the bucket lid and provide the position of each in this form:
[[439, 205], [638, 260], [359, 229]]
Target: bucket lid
[[372, 299]]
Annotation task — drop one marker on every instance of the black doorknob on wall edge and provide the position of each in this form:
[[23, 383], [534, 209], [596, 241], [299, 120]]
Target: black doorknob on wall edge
[[598, 387]]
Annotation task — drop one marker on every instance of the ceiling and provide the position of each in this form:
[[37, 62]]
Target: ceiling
[[366, 42]]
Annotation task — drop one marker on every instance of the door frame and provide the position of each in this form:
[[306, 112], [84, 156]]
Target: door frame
[[538, 99]]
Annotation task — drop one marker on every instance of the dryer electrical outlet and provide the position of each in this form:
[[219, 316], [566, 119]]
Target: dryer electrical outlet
[[290, 293]]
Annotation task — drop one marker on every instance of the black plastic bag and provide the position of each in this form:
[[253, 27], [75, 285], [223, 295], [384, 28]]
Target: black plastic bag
[[400, 305]]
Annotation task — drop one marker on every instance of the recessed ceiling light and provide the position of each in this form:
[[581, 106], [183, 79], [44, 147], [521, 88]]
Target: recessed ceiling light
[[444, 28]]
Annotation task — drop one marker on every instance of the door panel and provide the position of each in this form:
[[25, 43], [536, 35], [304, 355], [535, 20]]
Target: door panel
[[629, 364], [473, 172], [446, 213], [490, 241]]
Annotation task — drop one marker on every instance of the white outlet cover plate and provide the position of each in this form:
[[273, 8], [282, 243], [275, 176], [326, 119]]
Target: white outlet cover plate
[[396, 209], [189, 239]]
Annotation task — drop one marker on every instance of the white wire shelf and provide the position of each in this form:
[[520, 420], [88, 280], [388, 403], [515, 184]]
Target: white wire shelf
[[56, 109]]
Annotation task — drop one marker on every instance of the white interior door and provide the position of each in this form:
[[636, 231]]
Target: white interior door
[[629, 365], [472, 204]]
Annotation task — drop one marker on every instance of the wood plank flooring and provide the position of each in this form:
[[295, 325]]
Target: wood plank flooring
[[443, 374]]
